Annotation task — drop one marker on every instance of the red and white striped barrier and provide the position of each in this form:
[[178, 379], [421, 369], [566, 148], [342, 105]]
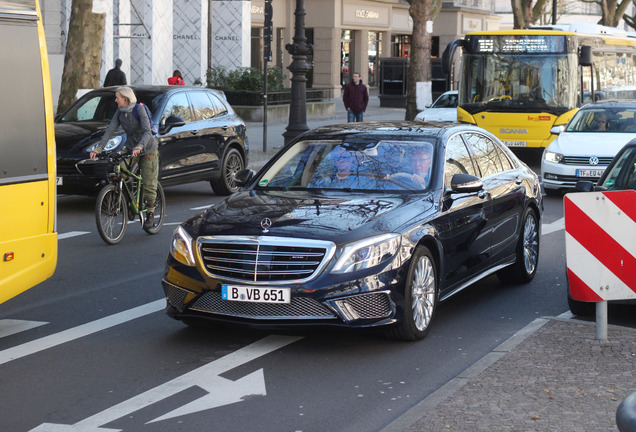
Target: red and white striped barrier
[[600, 245]]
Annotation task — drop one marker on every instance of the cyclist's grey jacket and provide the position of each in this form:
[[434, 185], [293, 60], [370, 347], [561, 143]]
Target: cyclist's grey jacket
[[138, 133]]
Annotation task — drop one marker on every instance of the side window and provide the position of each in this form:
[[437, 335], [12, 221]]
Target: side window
[[485, 152], [177, 105], [203, 108], [219, 106], [457, 160], [505, 162]]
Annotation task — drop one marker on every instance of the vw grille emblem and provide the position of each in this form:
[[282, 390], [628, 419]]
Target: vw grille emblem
[[594, 160], [266, 224]]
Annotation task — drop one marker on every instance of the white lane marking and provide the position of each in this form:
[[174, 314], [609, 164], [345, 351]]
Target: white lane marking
[[221, 391], [53, 340], [10, 326], [557, 225], [71, 234]]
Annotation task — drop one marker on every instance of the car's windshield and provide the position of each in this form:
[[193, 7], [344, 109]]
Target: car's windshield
[[604, 119], [101, 106], [340, 165], [623, 174]]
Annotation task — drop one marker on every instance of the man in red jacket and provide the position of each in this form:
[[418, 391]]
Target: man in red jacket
[[355, 98]]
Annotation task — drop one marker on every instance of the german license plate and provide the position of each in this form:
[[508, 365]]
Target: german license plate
[[59, 181], [590, 172], [516, 143], [255, 294]]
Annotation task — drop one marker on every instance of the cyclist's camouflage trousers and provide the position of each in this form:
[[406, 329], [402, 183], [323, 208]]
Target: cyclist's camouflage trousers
[[149, 166]]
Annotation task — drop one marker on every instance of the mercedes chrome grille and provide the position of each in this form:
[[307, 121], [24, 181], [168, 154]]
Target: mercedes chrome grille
[[264, 260]]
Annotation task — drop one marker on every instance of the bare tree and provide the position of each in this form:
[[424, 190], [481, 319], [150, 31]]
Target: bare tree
[[83, 58], [421, 11], [525, 14], [611, 10]]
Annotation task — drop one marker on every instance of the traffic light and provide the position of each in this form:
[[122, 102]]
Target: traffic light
[[268, 31]]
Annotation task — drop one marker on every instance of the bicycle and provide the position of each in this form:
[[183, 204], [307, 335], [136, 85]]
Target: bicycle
[[121, 200]]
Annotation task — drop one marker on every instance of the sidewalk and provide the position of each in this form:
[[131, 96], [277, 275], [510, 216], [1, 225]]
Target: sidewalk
[[553, 375], [275, 130]]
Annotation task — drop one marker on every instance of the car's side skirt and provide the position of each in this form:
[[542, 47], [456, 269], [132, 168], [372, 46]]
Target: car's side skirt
[[477, 278]]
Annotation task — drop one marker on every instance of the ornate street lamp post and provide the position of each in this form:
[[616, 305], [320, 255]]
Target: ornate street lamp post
[[299, 68]]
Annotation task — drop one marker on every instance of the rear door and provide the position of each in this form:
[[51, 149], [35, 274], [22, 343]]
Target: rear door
[[504, 187]]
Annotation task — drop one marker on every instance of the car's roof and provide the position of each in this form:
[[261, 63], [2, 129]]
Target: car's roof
[[396, 128], [157, 88], [616, 103]]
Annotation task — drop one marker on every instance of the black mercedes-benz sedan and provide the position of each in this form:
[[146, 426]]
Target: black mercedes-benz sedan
[[359, 225], [200, 138]]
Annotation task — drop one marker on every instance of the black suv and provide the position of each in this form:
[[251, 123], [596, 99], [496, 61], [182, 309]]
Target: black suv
[[200, 138]]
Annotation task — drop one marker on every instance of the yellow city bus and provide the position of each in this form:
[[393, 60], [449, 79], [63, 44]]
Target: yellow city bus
[[518, 84], [28, 238]]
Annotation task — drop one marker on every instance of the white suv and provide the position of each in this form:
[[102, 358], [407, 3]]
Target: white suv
[[587, 145]]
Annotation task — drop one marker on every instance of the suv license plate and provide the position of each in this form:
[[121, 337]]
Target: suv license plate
[[590, 172], [255, 294], [516, 143]]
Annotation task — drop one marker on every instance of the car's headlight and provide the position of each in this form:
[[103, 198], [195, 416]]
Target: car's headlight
[[112, 144], [367, 253], [181, 247], [549, 156]]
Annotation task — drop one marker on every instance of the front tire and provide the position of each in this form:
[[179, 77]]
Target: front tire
[[111, 214], [527, 252], [420, 298], [232, 163]]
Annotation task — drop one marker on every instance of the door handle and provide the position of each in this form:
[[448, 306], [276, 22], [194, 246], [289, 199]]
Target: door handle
[[482, 194], [194, 132], [518, 180]]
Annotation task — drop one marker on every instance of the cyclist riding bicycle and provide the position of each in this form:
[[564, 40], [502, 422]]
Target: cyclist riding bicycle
[[139, 142]]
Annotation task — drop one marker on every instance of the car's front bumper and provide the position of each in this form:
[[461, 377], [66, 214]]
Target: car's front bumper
[[369, 301], [560, 176]]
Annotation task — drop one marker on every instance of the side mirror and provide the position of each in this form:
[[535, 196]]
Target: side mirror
[[466, 183], [243, 177], [585, 56], [556, 130], [584, 186], [171, 122]]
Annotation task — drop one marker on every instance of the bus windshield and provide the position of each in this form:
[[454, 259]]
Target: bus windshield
[[499, 82]]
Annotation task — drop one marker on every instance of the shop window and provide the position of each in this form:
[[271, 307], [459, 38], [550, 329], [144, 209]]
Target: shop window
[[375, 52], [401, 46]]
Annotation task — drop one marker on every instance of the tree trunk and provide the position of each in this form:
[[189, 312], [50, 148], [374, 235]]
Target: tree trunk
[[419, 69], [83, 58]]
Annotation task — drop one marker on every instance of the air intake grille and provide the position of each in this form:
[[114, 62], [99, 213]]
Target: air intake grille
[[300, 307], [371, 305], [585, 160], [264, 259]]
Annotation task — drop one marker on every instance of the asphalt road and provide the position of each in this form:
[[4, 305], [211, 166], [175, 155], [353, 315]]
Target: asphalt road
[[91, 347]]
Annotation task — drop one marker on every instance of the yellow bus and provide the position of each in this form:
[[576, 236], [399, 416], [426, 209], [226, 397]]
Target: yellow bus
[[28, 238], [518, 84]]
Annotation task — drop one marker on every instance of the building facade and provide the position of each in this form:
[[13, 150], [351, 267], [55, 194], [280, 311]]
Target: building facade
[[154, 37]]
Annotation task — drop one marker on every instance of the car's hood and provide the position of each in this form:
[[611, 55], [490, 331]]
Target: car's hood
[[73, 137], [590, 143], [438, 115], [337, 217]]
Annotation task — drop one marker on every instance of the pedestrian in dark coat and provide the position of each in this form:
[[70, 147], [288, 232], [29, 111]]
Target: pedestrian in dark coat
[[355, 98], [115, 76]]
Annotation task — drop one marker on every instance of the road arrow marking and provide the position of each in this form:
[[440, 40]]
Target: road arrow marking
[[79, 331], [10, 326], [221, 391], [557, 225]]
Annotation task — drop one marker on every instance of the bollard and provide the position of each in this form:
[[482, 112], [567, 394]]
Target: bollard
[[626, 414]]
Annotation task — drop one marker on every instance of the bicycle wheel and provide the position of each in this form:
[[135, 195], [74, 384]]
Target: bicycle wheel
[[160, 211], [111, 214]]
